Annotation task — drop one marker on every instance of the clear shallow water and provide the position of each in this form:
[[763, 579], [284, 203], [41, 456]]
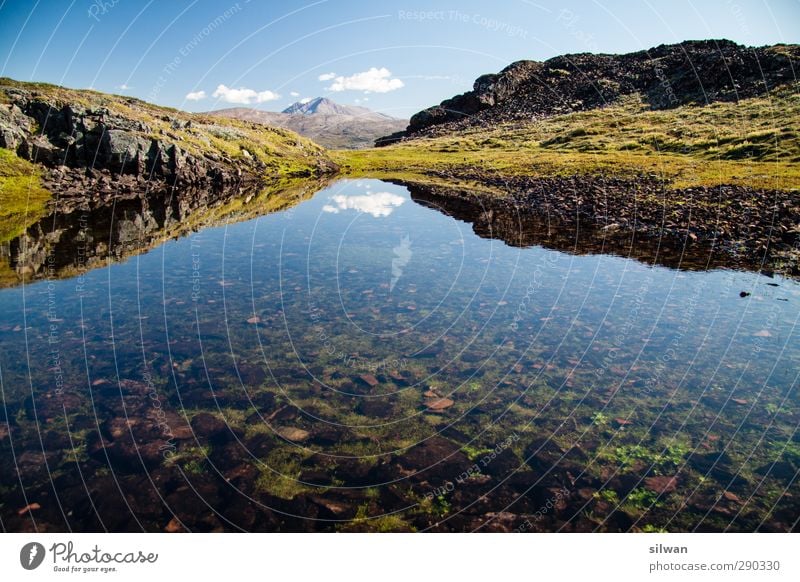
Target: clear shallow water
[[363, 361]]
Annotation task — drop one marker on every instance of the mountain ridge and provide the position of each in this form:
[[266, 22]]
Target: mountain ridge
[[665, 76], [325, 106], [324, 121]]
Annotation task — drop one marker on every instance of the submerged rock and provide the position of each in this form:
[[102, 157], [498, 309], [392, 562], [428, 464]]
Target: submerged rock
[[368, 379], [439, 404], [294, 434], [661, 484], [212, 428]]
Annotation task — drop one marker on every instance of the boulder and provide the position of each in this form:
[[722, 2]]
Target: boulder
[[124, 151]]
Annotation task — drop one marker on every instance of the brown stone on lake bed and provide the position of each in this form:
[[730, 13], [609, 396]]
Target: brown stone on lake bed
[[30, 507], [437, 404], [661, 484], [728, 496], [296, 435], [174, 526], [369, 380]]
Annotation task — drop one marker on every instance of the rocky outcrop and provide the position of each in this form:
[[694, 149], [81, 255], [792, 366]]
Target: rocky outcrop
[[70, 137], [130, 142], [665, 76]]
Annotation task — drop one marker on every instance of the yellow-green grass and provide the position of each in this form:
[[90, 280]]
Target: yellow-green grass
[[22, 198], [754, 143]]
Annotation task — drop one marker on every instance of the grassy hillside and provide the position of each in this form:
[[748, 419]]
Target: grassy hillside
[[754, 143], [282, 152]]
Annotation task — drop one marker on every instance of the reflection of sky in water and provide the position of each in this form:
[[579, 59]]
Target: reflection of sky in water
[[377, 204]]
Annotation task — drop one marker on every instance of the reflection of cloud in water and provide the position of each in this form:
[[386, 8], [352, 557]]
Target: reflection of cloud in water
[[377, 204]]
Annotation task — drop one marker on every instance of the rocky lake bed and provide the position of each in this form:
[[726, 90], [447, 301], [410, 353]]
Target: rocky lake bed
[[523, 388]]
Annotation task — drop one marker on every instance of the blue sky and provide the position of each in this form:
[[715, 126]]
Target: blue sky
[[396, 57]]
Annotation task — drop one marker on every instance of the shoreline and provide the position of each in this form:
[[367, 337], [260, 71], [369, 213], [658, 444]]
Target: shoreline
[[753, 227]]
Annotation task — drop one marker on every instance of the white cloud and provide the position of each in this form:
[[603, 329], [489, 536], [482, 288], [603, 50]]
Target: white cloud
[[372, 81], [124, 87], [305, 100], [243, 95], [327, 76], [378, 204], [294, 94], [196, 95]]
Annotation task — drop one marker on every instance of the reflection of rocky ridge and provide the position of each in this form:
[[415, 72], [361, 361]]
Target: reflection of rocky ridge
[[520, 225], [79, 238]]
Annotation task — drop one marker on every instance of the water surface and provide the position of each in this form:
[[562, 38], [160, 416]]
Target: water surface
[[379, 358]]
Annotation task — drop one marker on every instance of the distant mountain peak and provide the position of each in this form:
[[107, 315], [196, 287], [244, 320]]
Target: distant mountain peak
[[326, 122], [324, 106]]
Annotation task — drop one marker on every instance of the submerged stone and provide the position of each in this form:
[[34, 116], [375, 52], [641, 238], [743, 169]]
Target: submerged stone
[[294, 434]]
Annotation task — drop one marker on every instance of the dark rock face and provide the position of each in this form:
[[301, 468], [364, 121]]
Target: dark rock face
[[665, 76], [90, 142]]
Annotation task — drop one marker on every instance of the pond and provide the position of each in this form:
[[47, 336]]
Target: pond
[[389, 357]]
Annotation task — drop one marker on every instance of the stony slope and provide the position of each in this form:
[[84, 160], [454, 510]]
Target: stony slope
[[664, 77], [325, 122]]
